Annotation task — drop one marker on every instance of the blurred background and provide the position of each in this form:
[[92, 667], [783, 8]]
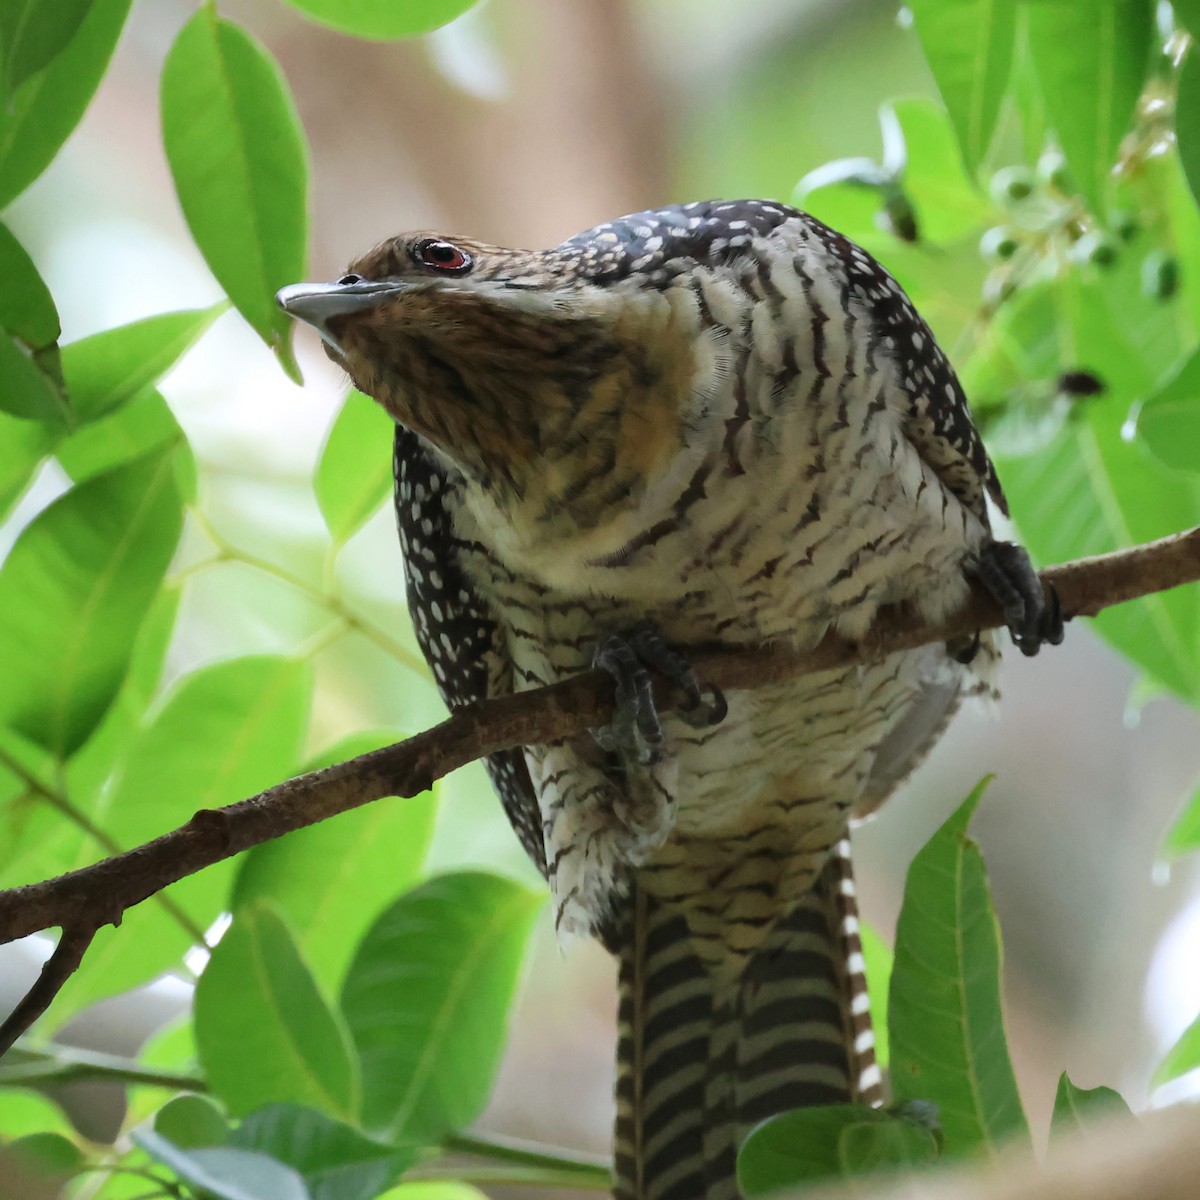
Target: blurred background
[[522, 123]]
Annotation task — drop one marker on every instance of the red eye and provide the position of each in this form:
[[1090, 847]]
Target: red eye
[[442, 256]]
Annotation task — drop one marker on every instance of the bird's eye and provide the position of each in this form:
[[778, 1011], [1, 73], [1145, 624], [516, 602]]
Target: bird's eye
[[442, 256]]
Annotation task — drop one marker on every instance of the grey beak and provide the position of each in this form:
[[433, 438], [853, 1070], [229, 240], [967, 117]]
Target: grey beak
[[316, 303]]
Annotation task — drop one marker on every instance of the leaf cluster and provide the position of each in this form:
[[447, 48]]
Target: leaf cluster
[[348, 1024]]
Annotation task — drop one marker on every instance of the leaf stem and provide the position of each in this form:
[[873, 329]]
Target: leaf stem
[[325, 598], [68, 1064], [518, 1153]]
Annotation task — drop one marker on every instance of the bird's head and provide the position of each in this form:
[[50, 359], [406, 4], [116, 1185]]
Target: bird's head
[[566, 383], [509, 361]]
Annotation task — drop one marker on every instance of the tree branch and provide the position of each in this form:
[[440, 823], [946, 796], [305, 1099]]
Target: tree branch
[[83, 901]]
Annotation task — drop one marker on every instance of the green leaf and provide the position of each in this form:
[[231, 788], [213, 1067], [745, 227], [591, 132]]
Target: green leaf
[[1183, 1057], [948, 206], [337, 1162], [1077, 1108], [48, 105], [810, 1144], [1185, 833], [354, 475], [73, 593], [109, 369], [226, 1174], [1088, 489], [331, 879], [969, 45], [1091, 91], [191, 1122], [24, 1111], [226, 731], [30, 370], [427, 998], [143, 425], [1187, 119], [944, 1016], [1187, 14], [878, 957], [33, 33], [383, 20], [1169, 421], [257, 992], [26, 446], [237, 152], [45, 1156]]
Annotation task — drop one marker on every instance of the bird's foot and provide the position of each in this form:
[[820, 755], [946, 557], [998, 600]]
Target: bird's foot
[[636, 729], [1032, 613]]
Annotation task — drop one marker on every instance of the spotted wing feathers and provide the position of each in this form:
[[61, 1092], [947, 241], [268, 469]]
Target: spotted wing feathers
[[456, 631]]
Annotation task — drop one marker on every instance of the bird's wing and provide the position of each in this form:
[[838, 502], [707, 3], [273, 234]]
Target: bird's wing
[[458, 633], [934, 412]]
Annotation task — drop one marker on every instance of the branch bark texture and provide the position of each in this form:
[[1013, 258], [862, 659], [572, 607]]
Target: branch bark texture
[[85, 900]]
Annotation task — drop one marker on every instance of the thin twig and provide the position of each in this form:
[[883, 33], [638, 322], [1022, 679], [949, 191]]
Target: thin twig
[[83, 901]]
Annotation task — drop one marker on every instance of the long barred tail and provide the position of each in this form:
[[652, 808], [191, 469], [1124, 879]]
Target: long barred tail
[[700, 1061]]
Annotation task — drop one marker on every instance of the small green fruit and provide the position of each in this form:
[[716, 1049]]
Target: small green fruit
[[1160, 275], [1097, 248], [1052, 171], [1011, 185], [999, 243]]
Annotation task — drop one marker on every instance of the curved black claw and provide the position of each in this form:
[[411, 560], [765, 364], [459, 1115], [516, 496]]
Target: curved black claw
[[636, 729], [1032, 613]]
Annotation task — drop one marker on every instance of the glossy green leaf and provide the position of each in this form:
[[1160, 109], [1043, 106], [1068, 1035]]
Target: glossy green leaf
[[1090, 93], [878, 957], [1187, 119], [45, 1156], [33, 33], [1088, 488], [354, 474], [944, 1017], [383, 20], [969, 46], [139, 427], [109, 369], [26, 444], [1187, 14], [331, 880], [810, 1144], [226, 1173], [1183, 1057], [427, 998], [257, 992], [238, 156], [191, 1122], [1077, 1108], [947, 205], [226, 731], [73, 593], [1185, 833], [1169, 421], [24, 1111], [336, 1162], [31, 379], [49, 104]]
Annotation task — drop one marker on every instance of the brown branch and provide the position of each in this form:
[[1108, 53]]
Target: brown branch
[[83, 901]]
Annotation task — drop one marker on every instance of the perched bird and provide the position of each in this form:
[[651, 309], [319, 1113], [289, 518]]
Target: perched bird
[[724, 424]]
